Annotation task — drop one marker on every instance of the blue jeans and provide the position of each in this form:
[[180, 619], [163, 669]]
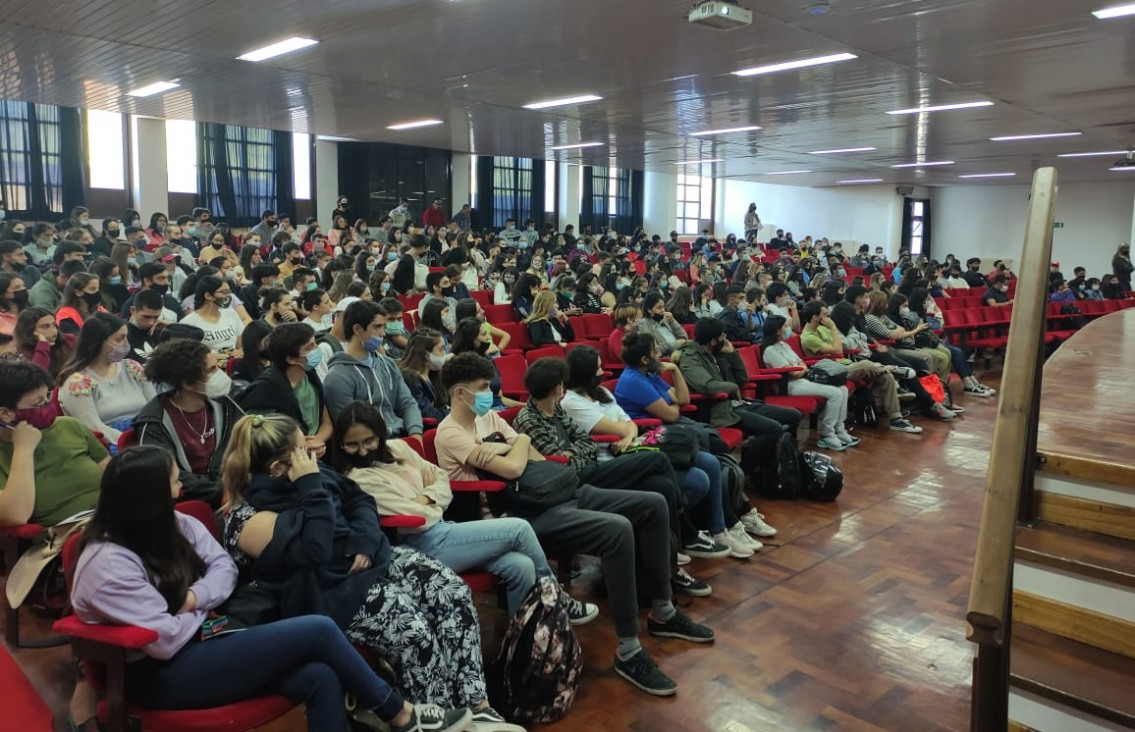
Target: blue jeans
[[703, 482], [958, 358], [306, 659], [507, 547]]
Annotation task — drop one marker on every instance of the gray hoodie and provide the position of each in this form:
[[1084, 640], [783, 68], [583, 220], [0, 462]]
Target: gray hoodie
[[379, 383]]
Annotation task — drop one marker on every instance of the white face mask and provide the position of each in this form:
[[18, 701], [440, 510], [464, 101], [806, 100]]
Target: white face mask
[[435, 362], [218, 385]]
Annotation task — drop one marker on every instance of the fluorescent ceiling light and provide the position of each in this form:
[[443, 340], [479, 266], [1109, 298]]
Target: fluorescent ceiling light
[[415, 124], [799, 64], [156, 88], [923, 165], [844, 150], [563, 102], [942, 107], [1117, 11], [287, 45], [858, 180], [1012, 138], [1092, 154], [988, 175], [701, 162], [789, 172], [335, 138], [576, 146], [1123, 168], [726, 131]]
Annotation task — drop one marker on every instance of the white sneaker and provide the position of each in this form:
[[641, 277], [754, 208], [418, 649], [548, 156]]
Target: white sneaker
[[683, 559], [737, 549], [738, 532], [754, 523]]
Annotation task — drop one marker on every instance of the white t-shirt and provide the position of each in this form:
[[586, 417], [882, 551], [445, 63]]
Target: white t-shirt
[[587, 413], [224, 335]]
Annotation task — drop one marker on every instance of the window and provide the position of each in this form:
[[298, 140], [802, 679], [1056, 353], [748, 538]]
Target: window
[[181, 155], [106, 149], [916, 212], [916, 226], [239, 179], [512, 190], [694, 196], [301, 165], [32, 168]]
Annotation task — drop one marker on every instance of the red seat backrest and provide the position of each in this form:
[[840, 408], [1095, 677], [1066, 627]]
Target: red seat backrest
[[512, 370], [595, 325], [428, 446], [508, 415], [518, 333], [497, 314], [482, 296], [605, 354], [544, 352], [750, 359], [794, 344]]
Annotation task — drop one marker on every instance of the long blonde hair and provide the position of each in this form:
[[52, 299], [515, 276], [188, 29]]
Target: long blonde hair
[[542, 306], [877, 282], [256, 441]]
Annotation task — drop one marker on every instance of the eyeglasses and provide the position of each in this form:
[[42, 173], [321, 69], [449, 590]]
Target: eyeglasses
[[370, 445]]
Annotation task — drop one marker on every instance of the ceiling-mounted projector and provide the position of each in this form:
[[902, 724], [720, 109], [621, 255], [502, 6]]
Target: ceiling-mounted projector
[[1127, 163], [720, 15]]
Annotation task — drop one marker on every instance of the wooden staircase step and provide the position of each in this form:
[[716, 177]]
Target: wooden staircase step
[[1085, 553], [1089, 679], [1113, 472], [1102, 518]]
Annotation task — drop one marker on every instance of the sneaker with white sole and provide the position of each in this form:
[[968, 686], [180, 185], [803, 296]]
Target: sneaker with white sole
[[490, 720], [738, 548], [641, 671], [432, 718], [980, 391], [754, 523], [679, 626], [738, 532], [705, 547], [847, 439], [903, 372], [579, 612], [941, 412], [688, 585], [831, 443], [956, 409], [902, 425], [683, 559]]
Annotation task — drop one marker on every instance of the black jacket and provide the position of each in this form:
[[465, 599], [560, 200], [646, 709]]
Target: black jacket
[[273, 393], [154, 427], [323, 521], [540, 332], [735, 327]]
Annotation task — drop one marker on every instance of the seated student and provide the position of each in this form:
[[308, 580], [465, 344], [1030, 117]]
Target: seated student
[[48, 291], [277, 306], [155, 277], [437, 315], [99, 386], [38, 340], [402, 483], [778, 354], [13, 299], [194, 420], [264, 275], [995, 294], [660, 324], [733, 317], [547, 326], [820, 337], [254, 353], [502, 291], [167, 572], [523, 295], [289, 386], [498, 339], [880, 327], [438, 287], [213, 313], [470, 335], [396, 338], [361, 373], [425, 355], [554, 433], [50, 467], [780, 303], [914, 312], [1092, 289], [81, 300], [1112, 288], [143, 325], [587, 292], [317, 305], [1061, 292], [315, 534], [626, 321], [564, 289], [612, 524]]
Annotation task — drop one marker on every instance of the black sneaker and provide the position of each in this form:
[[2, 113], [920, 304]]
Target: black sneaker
[[432, 718], [705, 547], [641, 671], [490, 720], [679, 626], [687, 585], [579, 612]]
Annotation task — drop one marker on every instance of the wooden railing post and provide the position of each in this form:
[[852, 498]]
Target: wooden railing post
[[1012, 459]]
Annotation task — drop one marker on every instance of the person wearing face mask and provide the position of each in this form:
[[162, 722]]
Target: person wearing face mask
[[396, 336], [213, 313], [1092, 289], [99, 386], [42, 248], [400, 214], [13, 299], [547, 325], [50, 466], [81, 299], [317, 304], [660, 324], [362, 373], [1121, 266], [267, 227], [291, 385], [194, 420], [996, 295], [780, 303], [425, 355], [510, 234]]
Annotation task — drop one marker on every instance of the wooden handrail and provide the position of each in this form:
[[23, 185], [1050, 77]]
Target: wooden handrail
[[1008, 456]]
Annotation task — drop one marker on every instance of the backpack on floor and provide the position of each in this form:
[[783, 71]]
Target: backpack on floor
[[733, 484], [862, 408], [788, 481], [823, 480], [540, 662]]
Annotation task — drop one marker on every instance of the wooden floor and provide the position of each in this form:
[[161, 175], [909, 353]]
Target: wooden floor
[[851, 619]]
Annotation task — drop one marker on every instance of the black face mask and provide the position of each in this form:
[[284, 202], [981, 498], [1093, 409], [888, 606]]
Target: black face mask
[[653, 366], [358, 460], [160, 289], [658, 317], [93, 298], [718, 346], [482, 348], [112, 233], [20, 299]]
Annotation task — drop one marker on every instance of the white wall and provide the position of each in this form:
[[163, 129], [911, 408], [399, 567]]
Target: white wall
[[660, 203], [459, 182], [988, 221], [327, 181], [567, 202], [150, 178]]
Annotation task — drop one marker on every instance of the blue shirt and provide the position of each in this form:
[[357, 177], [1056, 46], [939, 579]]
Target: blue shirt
[[636, 390]]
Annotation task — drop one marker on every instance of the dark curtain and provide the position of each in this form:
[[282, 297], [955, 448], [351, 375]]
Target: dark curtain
[[596, 199], [629, 201], [926, 227], [214, 184], [238, 173], [483, 206], [285, 174], [536, 195], [509, 188], [41, 159], [586, 210], [906, 217]]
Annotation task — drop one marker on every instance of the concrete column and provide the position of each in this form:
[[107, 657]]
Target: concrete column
[[150, 184], [660, 208], [327, 181], [568, 202], [459, 172]]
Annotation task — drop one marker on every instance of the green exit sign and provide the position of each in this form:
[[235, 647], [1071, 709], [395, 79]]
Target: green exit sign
[[1058, 225]]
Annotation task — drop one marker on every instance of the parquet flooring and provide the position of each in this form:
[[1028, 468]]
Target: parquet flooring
[[852, 618]]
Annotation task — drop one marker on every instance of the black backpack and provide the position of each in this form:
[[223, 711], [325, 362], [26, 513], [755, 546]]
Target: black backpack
[[823, 480], [540, 662], [733, 484], [863, 408], [788, 481]]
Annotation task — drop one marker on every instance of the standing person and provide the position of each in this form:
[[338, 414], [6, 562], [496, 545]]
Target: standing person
[[752, 223], [166, 571], [1122, 267], [434, 216], [400, 214], [463, 218]]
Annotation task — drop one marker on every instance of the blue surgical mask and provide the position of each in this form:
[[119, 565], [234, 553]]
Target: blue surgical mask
[[391, 256], [385, 287], [311, 286], [372, 344], [787, 332], [482, 403], [116, 280], [522, 244], [314, 358], [370, 267]]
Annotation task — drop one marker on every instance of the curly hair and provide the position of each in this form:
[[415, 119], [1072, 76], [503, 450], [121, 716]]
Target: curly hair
[[177, 362]]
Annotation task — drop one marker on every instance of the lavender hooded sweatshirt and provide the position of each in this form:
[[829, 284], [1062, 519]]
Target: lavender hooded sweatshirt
[[111, 586]]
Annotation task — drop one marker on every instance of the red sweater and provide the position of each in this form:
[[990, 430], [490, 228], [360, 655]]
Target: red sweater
[[434, 217]]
